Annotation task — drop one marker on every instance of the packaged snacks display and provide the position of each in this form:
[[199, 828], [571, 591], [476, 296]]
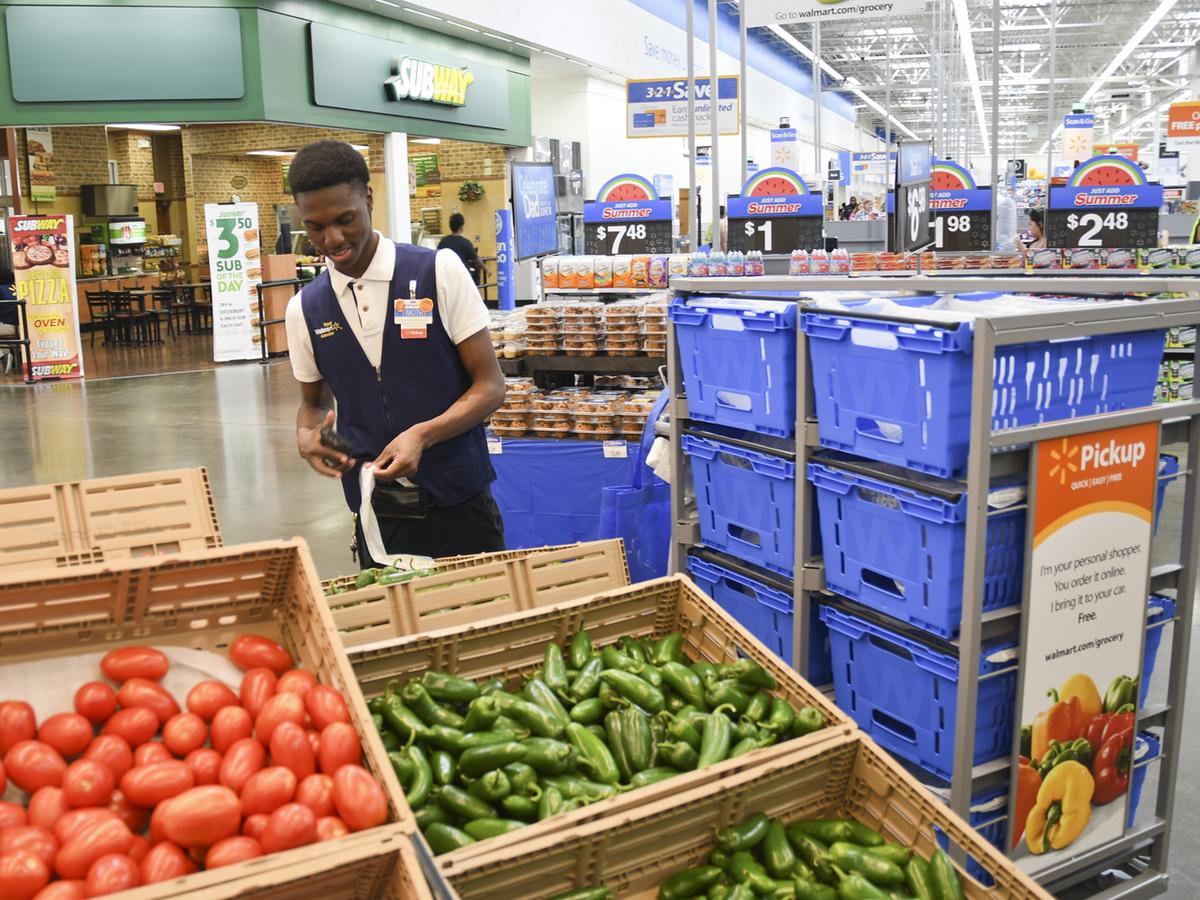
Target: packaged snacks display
[[582, 344], [1157, 258], [1118, 259], [864, 261], [542, 346], [627, 345], [1189, 257], [1046, 258], [698, 265], [639, 267], [566, 272], [1002, 261], [511, 349], [622, 269], [585, 272], [550, 272], [602, 272], [677, 264], [658, 272], [1082, 258]]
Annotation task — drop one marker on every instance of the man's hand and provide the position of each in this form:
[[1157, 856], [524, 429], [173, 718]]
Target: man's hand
[[402, 456], [325, 460]]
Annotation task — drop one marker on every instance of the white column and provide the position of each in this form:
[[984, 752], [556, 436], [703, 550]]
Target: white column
[[395, 173]]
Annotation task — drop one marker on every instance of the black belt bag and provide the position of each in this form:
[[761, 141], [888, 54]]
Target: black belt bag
[[392, 500]]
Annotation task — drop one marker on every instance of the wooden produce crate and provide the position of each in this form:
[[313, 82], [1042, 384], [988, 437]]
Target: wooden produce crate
[[466, 590], [513, 646], [848, 776], [105, 519], [203, 601]]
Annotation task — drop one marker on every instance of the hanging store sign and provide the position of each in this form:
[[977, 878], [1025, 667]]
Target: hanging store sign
[[43, 261], [1084, 622], [785, 151], [627, 217], [775, 213], [871, 165], [535, 210], [1106, 203], [416, 79], [1077, 136], [783, 12], [909, 221], [658, 107], [1183, 124], [235, 266], [962, 214], [506, 276], [39, 146]]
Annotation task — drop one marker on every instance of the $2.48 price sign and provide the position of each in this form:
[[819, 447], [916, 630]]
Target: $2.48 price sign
[[1135, 227], [632, 238]]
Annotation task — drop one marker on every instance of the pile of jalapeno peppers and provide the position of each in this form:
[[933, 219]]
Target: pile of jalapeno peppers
[[477, 760]]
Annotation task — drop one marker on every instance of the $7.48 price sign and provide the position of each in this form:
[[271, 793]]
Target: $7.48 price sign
[[612, 239]]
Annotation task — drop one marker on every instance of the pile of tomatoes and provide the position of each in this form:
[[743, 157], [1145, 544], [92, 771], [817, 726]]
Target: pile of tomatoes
[[129, 789]]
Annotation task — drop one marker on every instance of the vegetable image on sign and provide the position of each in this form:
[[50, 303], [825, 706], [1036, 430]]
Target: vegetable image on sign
[[1104, 171], [950, 176], [626, 187]]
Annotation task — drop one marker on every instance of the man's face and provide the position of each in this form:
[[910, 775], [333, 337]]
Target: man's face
[[337, 220]]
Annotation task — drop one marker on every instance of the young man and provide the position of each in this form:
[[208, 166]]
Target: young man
[[397, 336], [462, 245]]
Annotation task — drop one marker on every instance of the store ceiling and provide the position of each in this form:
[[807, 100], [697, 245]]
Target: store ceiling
[[911, 53]]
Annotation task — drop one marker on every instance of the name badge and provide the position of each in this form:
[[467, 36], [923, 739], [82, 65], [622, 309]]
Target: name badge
[[413, 314]]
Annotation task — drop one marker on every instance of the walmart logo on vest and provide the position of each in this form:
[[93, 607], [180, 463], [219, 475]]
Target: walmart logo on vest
[[416, 79]]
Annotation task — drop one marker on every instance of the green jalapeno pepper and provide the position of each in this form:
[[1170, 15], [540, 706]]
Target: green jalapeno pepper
[[482, 829], [532, 716], [444, 767], [538, 692], [587, 712], [401, 765], [420, 779], [668, 648], [548, 756], [518, 806], [573, 787], [678, 755], [491, 787], [746, 835], [808, 719], [474, 761], [946, 885], [445, 838], [893, 853], [482, 714], [491, 686], [749, 673], [633, 648], [777, 853], [458, 802], [447, 688], [634, 689], [402, 720], [689, 883], [595, 759], [857, 887], [806, 889], [554, 668], [652, 776], [550, 804], [428, 710], [760, 705], [682, 730], [876, 869], [715, 739], [727, 693], [746, 869], [683, 681], [614, 659], [587, 682], [581, 649], [919, 879], [430, 813], [781, 717], [445, 738]]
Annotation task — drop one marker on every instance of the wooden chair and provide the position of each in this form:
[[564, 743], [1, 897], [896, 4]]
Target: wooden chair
[[130, 318], [100, 312]]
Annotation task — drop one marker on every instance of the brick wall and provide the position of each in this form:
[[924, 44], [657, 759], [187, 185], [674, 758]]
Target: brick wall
[[200, 140], [213, 178]]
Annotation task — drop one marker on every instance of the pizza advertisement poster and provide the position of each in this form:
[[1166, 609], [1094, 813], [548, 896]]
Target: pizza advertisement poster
[[39, 146], [43, 260]]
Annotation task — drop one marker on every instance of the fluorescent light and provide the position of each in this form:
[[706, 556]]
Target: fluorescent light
[[804, 51], [270, 153], [360, 147], [425, 140], [148, 126], [389, 3], [968, 51]]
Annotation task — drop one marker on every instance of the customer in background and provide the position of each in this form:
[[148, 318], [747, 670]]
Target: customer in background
[[1037, 224], [1006, 221], [866, 212], [462, 246], [9, 318], [722, 233], [848, 209]]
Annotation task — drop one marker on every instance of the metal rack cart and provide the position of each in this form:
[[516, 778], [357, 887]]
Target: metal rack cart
[[994, 454]]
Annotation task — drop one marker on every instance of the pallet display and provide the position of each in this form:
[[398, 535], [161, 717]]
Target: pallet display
[[974, 647], [203, 601], [845, 777], [103, 519]]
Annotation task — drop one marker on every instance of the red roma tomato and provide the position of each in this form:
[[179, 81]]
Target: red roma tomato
[[3, 779], [142, 692], [267, 790], [68, 733], [103, 838], [331, 828], [138, 849], [290, 747], [316, 792], [46, 805], [251, 651], [156, 832], [38, 841], [164, 862], [202, 816], [111, 873], [359, 798], [77, 821], [209, 696], [133, 816], [184, 733], [258, 686], [241, 761], [255, 825], [31, 765], [134, 726], [296, 681], [17, 723], [314, 741], [63, 890], [229, 725], [326, 706], [292, 825], [151, 752], [96, 701], [340, 746], [236, 849], [22, 875], [87, 783], [205, 764], [134, 662], [152, 784], [112, 751], [280, 708], [13, 813]]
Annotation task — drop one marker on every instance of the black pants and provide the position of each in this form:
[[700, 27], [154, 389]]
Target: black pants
[[474, 526]]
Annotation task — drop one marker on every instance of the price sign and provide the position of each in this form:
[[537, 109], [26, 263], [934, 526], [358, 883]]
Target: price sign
[[1106, 203], [779, 235], [1127, 228], [618, 238], [912, 223], [962, 220], [775, 213]]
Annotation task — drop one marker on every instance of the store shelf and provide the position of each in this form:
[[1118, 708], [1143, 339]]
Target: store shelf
[[576, 292], [590, 365], [1070, 282]]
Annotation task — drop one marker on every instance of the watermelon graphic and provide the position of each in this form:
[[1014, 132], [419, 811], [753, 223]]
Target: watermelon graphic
[[774, 182], [1103, 171], [625, 188], [950, 176]]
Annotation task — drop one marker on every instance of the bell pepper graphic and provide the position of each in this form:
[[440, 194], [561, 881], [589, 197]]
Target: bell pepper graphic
[[1114, 758], [1083, 688], [1122, 691], [1062, 809], [1064, 721], [1028, 783]]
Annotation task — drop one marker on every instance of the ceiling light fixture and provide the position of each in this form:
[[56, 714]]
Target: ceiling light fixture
[[270, 152], [144, 126], [425, 141], [968, 51]]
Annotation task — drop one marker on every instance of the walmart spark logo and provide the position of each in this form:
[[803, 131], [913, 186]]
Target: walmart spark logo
[[1063, 466]]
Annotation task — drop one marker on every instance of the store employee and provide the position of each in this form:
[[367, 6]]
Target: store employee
[[397, 337]]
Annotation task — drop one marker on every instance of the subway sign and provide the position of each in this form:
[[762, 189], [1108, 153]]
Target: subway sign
[[418, 79]]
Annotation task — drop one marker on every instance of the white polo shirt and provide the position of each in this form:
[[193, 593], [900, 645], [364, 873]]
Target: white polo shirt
[[366, 306]]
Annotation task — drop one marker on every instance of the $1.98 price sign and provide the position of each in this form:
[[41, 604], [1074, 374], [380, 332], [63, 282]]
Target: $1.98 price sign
[[614, 239]]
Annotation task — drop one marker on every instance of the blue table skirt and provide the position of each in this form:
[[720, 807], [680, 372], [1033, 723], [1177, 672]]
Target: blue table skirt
[[549, 491]]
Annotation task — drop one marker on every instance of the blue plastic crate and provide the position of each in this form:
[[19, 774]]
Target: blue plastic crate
[[900, 550], [1161, 611], [1168, 471], [738, 359], [1146, 747], [746, 502], [904, 694], [989, 818], [766, 612], [900, 392]]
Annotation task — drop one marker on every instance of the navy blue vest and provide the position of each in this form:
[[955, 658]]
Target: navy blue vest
[[417, 380]]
